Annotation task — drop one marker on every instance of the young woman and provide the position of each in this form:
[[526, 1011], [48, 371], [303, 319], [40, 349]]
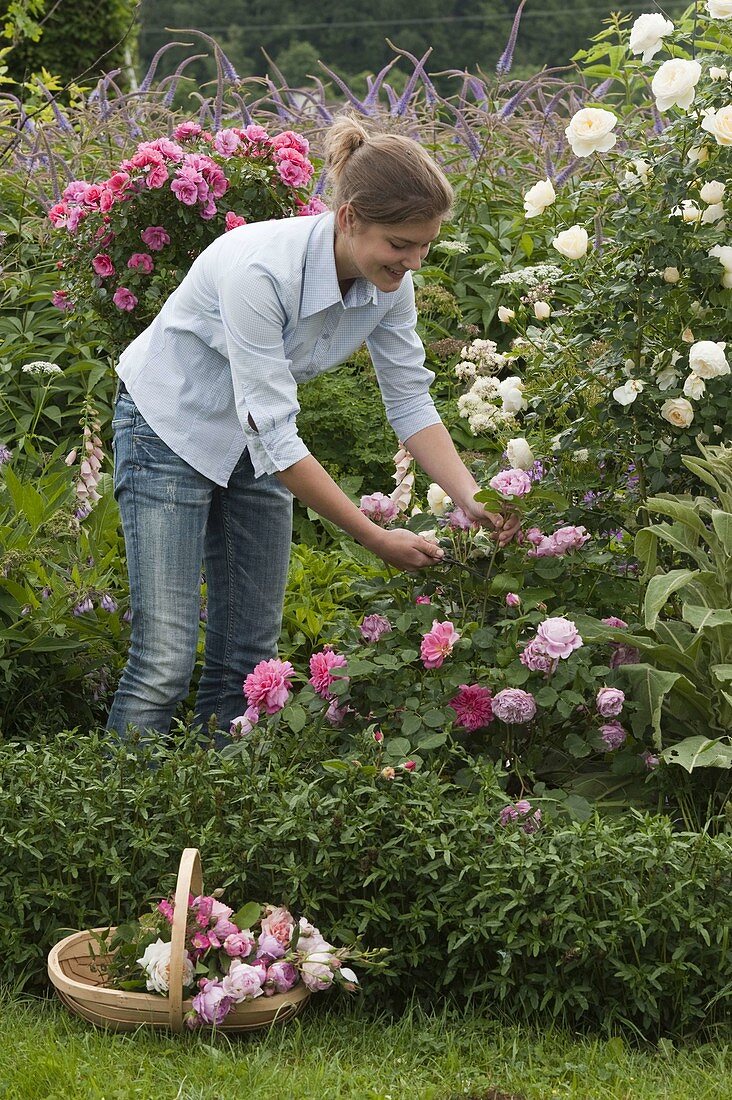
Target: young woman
[[207, 453]]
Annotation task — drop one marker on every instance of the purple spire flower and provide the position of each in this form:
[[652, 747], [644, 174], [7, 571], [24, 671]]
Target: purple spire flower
[[505, 61]]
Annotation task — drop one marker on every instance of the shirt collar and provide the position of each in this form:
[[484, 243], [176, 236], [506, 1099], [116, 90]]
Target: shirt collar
[[320, 280]]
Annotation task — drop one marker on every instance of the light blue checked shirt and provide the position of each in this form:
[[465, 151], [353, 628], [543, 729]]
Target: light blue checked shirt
[[259, 312]]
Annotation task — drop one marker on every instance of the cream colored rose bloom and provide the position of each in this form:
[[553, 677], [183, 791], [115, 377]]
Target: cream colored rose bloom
[[694, 387], [519, 454], [718, 72], [675, 82], [666, 378], [627, 393], [505, 315], [723, 253], [698, 154], [688, 210], [589, 131], [713, 214], [719, 125], [512, 394], [707, 359], [572, 243], [538, 197], [720, 9], [677, 411], [671, 274], [437, 499], [647, 33], [712, 192], [542, 310], [156, 963]]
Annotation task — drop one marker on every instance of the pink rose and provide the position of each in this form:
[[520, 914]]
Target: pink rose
[[60, 300], [187, 131], [569, 538], [155, 237], [511, 483], [437, 644], [267, 687], [124, 299], [243, 982], [238, 943], [226, 142], [559, 637], [335, 715], [535, 657], [422, 599], [269, 948], [293, 168], [314, 206], [609, 702], [244, 723], [103, 265], [613, 620], [321, 671], [212, 1003], [281, 977], [459, 520], [141, 261], [256, 133], [379, 508], [233, 221], [156, 177], [613, 734], [472, 706], [288, 139], [373, 626], [512, 600], [409, 765]]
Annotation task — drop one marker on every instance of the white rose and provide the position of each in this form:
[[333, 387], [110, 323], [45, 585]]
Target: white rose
[[671, 274], [511, 391], [519, 454], [538, 197], [627, 393], [712, 192], [707, 359], [717, 72], [505, 315], [572, 242], [666, 378], [437, 499], [687, 336], [719, 125], [694, 386], [723, 253], [674, 83], [720, 9], [688, 210], [646, 35], [698, 154], [589, 131], [677, 411], [713, 214], [156, 963], [542, 310]]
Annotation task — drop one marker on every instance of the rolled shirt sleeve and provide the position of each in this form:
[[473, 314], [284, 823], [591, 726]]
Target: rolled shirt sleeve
[[253, 318], [398, 357]]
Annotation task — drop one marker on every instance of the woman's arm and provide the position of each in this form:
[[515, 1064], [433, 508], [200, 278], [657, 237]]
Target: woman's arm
[[435, 452], [310, 483]]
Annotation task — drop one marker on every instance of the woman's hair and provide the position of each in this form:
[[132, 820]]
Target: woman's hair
[[386, 178]]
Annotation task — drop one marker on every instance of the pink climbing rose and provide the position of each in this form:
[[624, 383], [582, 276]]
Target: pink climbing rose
[[437, 644]]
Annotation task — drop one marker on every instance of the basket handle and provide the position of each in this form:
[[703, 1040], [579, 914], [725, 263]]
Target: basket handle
[[190, 881]]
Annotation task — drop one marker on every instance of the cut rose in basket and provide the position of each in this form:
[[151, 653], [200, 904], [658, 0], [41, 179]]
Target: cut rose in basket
[[229, 957]]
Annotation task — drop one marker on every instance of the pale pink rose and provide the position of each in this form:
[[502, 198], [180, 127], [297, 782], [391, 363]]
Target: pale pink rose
[[60, 300], [317, 969], [569, 538], [521, 810], [243, 982], [650, 760], [511, 483], [280, 923], [124, 299], [321, 671], [559, 636], [613, 734], [534, 536], [373, 626], [281, 977], [238, 943], [514, 706], [472, 705], [212, 1003], [512, 600], [186, 187], [379, 508], [437, 644], [141, 261], [233, 221], [155, 237], [613, 620], [609, 702], [535, 657], [459, 520], [102, 265], [244, 723], [269, 948], [267, 687]]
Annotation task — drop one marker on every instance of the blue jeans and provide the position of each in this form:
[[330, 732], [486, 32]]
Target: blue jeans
[[175, 520]]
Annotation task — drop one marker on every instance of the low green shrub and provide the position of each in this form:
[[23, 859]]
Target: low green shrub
[[598, 924]]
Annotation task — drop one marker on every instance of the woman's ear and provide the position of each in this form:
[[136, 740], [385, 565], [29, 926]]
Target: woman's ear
[[345, 218]]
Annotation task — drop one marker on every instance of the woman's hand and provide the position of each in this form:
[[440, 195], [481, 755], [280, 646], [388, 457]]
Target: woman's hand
[[405, 550], [504, 525]]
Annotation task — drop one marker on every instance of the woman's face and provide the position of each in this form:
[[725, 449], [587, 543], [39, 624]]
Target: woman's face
[[382, 254]]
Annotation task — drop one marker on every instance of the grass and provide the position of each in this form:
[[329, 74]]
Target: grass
[[339, 1050]]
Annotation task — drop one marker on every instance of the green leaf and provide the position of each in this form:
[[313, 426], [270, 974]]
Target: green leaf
[[699, 752], [579, 808], [434, 718], [527, 244], [397, 746], [650, 686], [295, 717], [248, 915], [684, 513], [702, 618], [431, 741], [722, 523], [576, 746], [660, 589], [723, 673], [337, 766], [410, 724]]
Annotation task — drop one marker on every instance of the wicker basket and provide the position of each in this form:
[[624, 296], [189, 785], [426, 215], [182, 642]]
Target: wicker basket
[[81, 987]]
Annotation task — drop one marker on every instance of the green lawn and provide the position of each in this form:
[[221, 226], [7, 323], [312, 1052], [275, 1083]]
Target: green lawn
[[338, 1049]]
